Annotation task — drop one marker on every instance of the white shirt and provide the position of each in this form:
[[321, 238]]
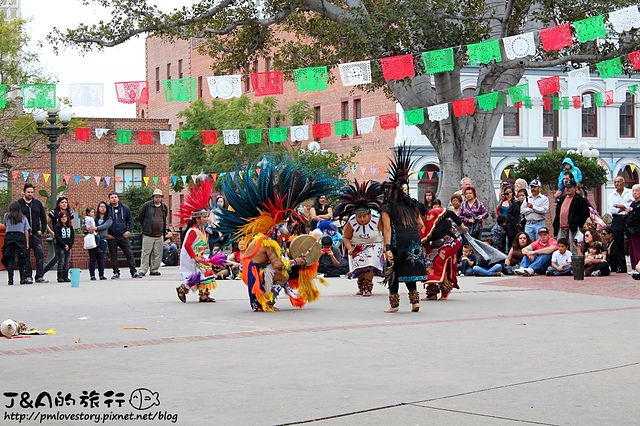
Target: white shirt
[[539, 210], [561, 259], [614, 198]]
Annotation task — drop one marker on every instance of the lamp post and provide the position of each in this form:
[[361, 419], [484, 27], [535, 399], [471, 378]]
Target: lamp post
[[46, 121]]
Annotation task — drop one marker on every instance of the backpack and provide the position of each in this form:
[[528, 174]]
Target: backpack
[[171, 258]]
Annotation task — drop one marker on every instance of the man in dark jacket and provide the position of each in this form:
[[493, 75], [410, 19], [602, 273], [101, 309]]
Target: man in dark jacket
[[119, 232], [572, 212], [36, 214], [153, 217]]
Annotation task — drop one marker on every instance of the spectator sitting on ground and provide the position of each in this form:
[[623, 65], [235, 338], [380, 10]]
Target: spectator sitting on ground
[[598, 264], [467, 261], [537, 255], [560, 260], [483, 268], [329, 263], [499, 233], [512, 262]]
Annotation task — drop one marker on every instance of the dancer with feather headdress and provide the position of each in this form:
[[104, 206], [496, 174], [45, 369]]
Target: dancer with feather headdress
[[401, 222], [362, 237], [196, 270], [263, 207]]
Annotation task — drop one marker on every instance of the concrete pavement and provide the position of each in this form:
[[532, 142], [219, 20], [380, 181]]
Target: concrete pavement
[[503, 350]]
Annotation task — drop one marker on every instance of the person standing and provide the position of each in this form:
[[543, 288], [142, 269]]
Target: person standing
[[119, 231], [16, 240], [153, 217], [572, 212], [473, 212], [101, 222], [535, 210], [62, 204], [633, 226], [36, 215], [64, 234], [618, 202]]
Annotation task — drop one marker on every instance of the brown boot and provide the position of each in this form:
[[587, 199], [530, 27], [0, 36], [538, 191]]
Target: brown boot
[[414, 299], [367, 286], [182, 293], [432, 292], [204, 296], [360, 285], [394, 302]]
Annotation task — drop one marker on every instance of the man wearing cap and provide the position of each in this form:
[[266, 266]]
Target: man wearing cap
[[535, 210], [537, 255], [572, 212], [153, 218]]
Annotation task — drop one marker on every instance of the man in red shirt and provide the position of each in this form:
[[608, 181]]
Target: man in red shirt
[[537, 255]]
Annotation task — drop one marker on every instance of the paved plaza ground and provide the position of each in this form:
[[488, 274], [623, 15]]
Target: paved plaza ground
[[501, 351]]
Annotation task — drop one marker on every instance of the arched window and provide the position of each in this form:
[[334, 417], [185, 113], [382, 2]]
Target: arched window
[[627, 117], [430, 180], [130, 174], [590, 118], [630, 175]]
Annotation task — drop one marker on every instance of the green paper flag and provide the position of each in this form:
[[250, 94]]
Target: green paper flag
[[155, 180], [488, 101], [413, 117], [566, 103], [590, 28], [518, 93], [485, 52], [436, 61], [598, 99], [556, 103], [633, 89], [3, 95], [344, 128], [123, 136], [527, 102], [253, 135], [420, 174], [187, 134], [311, 79], [610, 68], [278, 134], [180, 89], [39, 95]]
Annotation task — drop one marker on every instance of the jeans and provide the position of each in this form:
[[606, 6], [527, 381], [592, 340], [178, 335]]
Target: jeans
[[35, 244], [64, 256], [566, 270], [125, 246], [464, 268], [488, 272], [165, 248], [532, 229], [539, 264], [96, 255]]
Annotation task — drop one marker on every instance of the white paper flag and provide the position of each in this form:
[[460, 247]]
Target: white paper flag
[[580, 76], [101, 132], [231, 137], [354, 73], [225, 86], [167, 137], [586, 101], [438, 112], [519, 46], [365, 125], [625, 19], [86, 95], [300, 133]]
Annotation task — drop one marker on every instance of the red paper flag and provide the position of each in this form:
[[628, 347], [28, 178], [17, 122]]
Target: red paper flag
[[577, 101], [321, 130], [518, 105], [556, 38], [267, 83], [209, 137], [83, 133], [145, 137], [608, 97], [130, 92], [550, 85], [397, 67], [634, 58], [464, 107], [546, 103], [389, 121]]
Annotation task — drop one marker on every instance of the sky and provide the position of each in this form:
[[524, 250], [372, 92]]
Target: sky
[[121, 63]]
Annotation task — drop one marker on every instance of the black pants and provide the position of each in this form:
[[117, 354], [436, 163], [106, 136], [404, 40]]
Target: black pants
[[125, 246], [616, 257], [395, 286], [35, 245]]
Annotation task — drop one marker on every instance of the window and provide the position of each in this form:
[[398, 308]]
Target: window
[[199, 87], [357, 113], [130, 174], [344, 110], [180, 73], [548, 117], [157, 79], [255, 66], [627, 128], [511, 121], [429, 181], [247, 80], [590, 119], [267, 64], [169, 71], [317, 118]]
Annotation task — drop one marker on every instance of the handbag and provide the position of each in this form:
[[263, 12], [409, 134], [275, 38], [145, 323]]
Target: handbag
[[90, 242]]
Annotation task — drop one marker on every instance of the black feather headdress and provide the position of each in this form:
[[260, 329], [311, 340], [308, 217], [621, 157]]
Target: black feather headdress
[[361, 196]]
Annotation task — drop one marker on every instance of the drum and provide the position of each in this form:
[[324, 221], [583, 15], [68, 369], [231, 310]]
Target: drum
[[307, 247]]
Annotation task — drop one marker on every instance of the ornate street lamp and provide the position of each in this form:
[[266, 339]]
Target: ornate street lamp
[[46, 121]]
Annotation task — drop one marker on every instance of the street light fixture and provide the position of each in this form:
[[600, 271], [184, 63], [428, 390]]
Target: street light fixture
[[46, 121]]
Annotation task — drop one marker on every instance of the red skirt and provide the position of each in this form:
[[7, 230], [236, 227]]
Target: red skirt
[[442, 262]]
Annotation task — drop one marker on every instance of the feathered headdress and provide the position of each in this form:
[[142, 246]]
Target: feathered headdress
[[400, 167], [361, 196], [196, 202], [396, 190]]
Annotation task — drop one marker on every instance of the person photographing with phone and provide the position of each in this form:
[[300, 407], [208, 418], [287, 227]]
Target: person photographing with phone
[[331, 263]]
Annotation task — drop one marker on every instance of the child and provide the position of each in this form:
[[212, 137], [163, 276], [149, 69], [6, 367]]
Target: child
[[560, 260], [568, 166], [595, 260], [499, 233], [467, 260], [90, 222], [16, 240], [64, 241]]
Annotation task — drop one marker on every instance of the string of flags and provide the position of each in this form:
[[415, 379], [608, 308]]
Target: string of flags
[[610, 166]]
